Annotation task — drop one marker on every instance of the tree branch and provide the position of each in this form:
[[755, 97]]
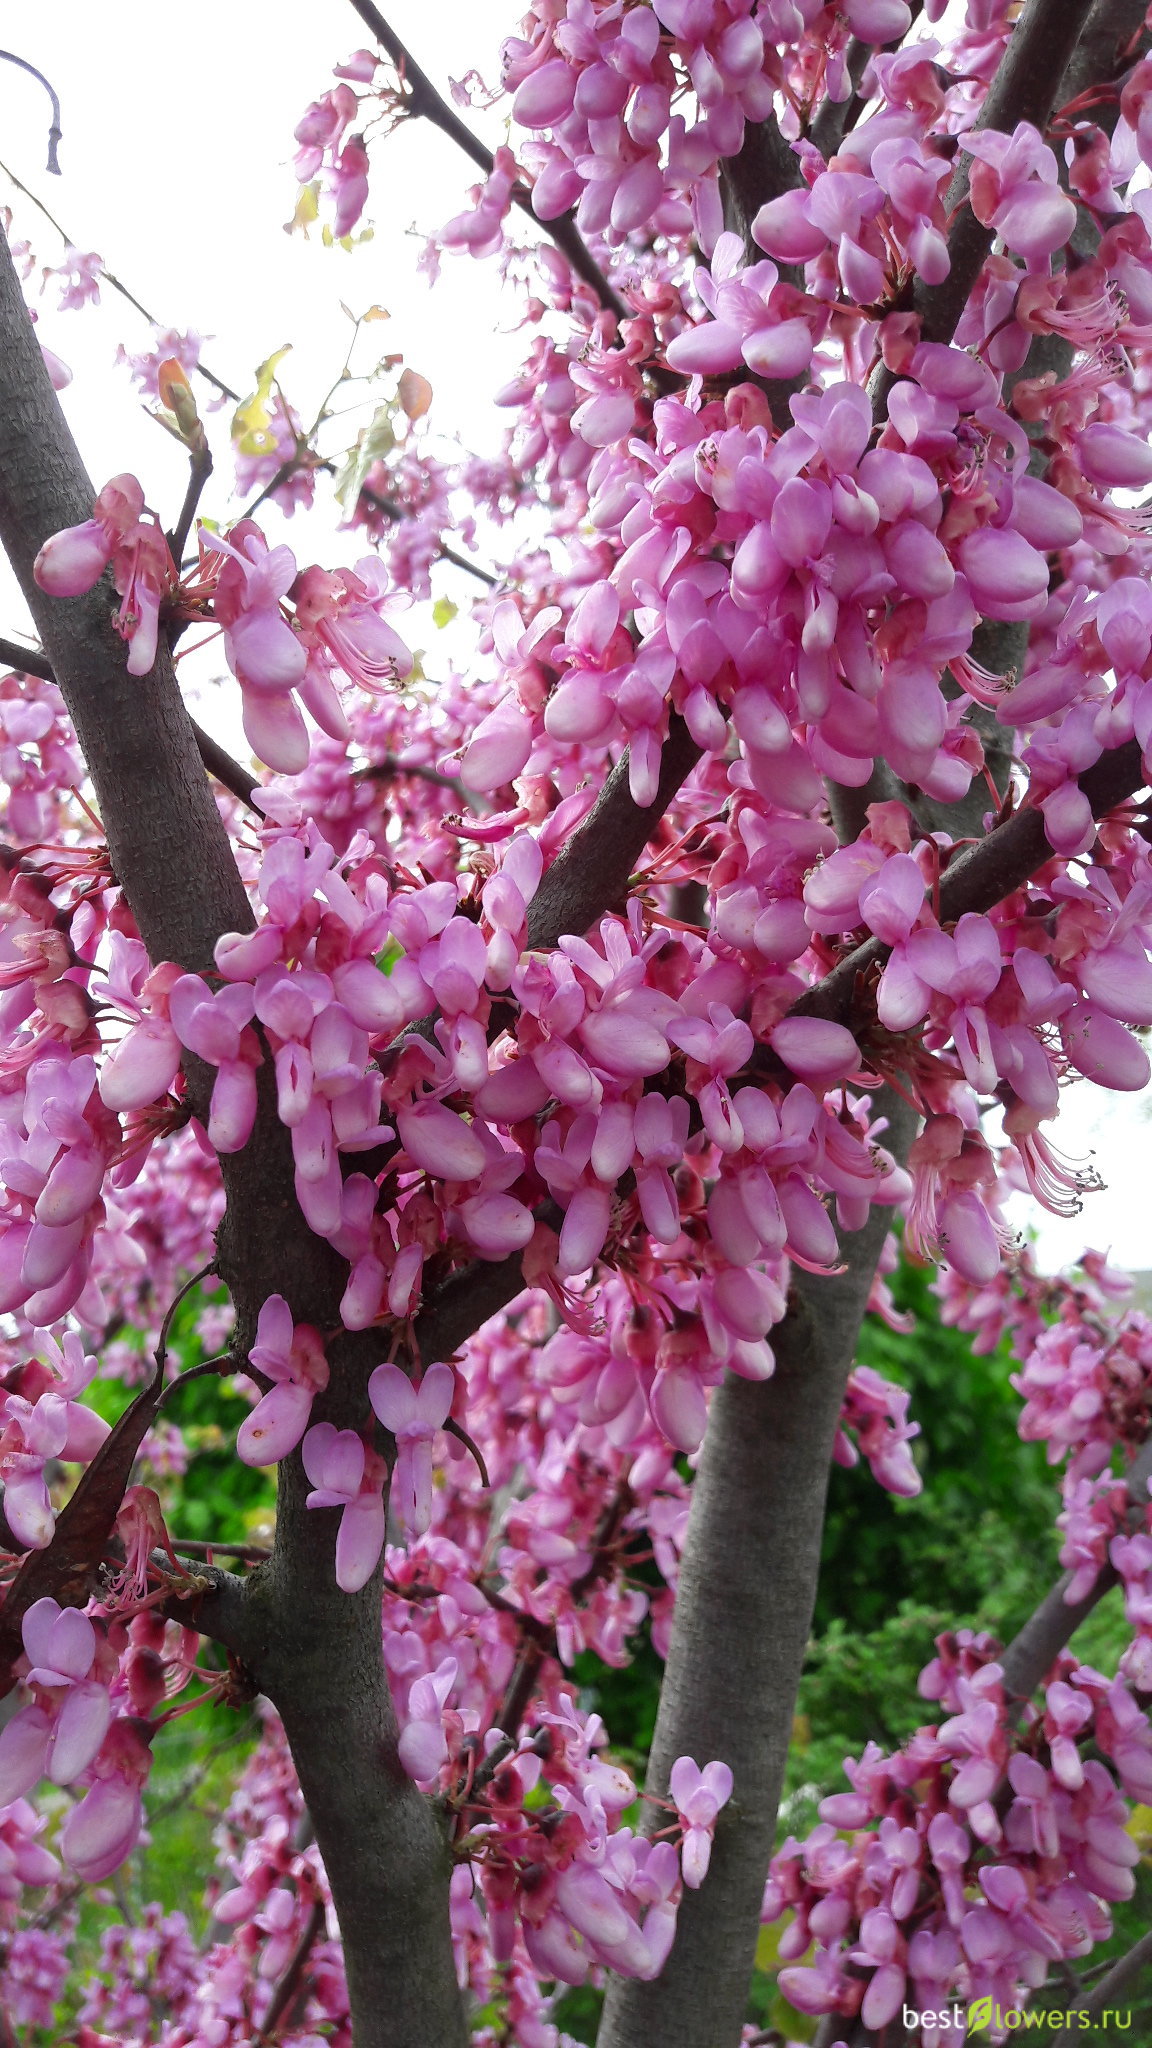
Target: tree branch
[[423, 99], [29, 661], [981, 876], [1131, 1969], [1024, 89], [743, 1612], [590, 875], [1034, 1649]]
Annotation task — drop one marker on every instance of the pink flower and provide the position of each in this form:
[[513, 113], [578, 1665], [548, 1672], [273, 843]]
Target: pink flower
[[413, 1414], [267, 658], [345, 1474], [214, 1027], [423, 1743], [1015, 188], [292, 1356], [698, 1796], [100, 1832], [70, 562]]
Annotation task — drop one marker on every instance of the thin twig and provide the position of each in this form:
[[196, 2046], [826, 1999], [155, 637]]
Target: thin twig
[[448, 554], [108, 277], [166, 1325], [423, 99], [257, 1551], [194, 1372], [199, 471], [390, 765], [54, 132], [454, 1429]]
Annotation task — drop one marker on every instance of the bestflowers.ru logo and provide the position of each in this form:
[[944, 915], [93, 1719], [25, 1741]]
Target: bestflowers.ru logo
[[983, 2012]]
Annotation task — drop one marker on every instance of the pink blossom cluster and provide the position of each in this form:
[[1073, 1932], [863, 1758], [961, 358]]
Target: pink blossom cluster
[[974, 1859], [655, 1115], [337, 621], [1009, 1815]]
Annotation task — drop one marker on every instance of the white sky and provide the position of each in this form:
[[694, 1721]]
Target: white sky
[[176, 165]]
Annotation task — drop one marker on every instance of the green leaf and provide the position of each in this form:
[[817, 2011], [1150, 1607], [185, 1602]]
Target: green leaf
[[374, 445], [386, 960], [444, 611]]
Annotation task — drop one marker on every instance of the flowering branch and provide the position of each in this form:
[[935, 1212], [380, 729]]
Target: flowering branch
[[289, 1983], [423, 99], [1036, 1646], [1025, 88]]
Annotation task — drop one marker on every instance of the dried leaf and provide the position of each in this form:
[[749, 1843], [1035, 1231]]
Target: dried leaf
[[414, 393]]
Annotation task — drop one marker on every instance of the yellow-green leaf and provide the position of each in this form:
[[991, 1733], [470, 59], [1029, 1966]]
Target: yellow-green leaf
[[252, 422]]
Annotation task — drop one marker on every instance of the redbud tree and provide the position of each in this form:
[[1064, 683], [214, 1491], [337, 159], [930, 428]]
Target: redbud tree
[[546, 1060]]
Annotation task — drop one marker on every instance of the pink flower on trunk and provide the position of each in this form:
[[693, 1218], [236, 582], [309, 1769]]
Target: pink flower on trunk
[[1015, 189], [698, 1795], [423, 1743], [215, 1028], [413, 1414], [345, 1474], [266, 657], [293, 1357], [72, 561]]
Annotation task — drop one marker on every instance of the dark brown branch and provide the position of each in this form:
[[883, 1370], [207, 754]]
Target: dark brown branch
[[389, 766], [448, 554], [199, 471], [219, 762], [466, 1300], [764, 167], [423, 99], [590, 876], [27, 661]]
